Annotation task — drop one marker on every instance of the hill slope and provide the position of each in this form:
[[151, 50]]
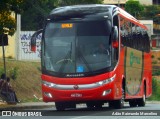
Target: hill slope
[[28, 81]]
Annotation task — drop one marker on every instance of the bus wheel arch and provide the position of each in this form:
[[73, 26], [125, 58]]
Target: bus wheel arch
[[142, 101], [118, 104]]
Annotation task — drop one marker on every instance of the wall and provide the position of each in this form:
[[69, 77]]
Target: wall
[[115, 1], [25, 52], [10, 49], [145, 2], [149, 24]]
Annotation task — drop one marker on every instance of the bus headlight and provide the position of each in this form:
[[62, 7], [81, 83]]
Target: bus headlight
[[48, 84], [106, 81]]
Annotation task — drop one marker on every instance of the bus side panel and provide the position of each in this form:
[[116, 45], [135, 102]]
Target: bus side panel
[[148, 73], [134, 62]]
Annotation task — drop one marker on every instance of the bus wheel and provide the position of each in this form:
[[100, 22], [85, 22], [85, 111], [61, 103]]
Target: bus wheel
[[133, 103], [142, 101], [60, 106], [90, 105], [111, 104], [98, 105], [120, 103]]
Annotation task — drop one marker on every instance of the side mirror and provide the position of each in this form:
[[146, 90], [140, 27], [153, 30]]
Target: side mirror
[[115, 43], [115, 33], [33, 40]]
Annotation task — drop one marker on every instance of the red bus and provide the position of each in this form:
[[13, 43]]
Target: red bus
[[94, 54]]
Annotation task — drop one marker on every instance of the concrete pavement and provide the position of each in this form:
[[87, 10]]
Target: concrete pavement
[[40, 105], [28, 105]]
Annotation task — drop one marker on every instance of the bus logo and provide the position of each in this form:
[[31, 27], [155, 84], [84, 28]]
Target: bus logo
[[76, 87], [134, 59]]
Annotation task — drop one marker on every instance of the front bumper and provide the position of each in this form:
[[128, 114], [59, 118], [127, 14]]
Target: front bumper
[[98, 91]]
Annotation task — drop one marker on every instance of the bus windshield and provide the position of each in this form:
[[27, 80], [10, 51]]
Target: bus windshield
[[77, 47]]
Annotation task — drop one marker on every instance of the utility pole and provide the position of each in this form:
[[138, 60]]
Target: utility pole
[[3, 37]]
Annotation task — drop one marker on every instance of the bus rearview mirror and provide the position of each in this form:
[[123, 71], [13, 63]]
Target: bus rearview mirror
[[33, 40], [115, 33]]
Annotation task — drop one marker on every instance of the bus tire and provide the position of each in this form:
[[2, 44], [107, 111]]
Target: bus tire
[[60, 106], [133, 103], [120, 103], [111, 104], [142, 101], [98, 105], [90, 105]]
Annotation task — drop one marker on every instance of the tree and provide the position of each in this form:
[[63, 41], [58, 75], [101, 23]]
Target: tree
[[7, 22], [35, 11], [76, 2], [152, 12], [134, 7]]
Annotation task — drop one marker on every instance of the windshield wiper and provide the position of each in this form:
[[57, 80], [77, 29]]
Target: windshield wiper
[[84, 60], [66, 59]]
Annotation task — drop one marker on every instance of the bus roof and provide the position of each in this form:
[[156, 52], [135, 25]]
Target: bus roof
[[83, 10]]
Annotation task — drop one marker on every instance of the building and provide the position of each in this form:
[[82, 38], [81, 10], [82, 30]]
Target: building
[[115, 1], [120, 3], [123, 2], [146, 2]]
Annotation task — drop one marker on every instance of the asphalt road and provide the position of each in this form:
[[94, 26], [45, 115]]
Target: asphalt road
[[150, 111]]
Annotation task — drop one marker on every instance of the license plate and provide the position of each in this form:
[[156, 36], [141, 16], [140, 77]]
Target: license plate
[[76, 95]]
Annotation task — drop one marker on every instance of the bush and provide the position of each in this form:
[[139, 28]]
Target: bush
[[155, 90], [156, 72], [154, 62], [13, 73]]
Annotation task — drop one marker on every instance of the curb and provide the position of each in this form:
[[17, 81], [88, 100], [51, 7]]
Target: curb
[[41, 105], [21, 106]]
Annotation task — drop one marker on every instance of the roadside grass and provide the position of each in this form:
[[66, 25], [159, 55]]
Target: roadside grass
[[155, 89], [27, 84]]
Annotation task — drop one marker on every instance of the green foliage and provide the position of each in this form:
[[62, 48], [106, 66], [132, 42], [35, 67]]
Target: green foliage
[[12, 73], [1, 71], [155, 90], [154, 62], [152, 56], [35, 11], [154, 86], [134, 8], [7, 22], [156, 72], [151, 12], [76, 2]]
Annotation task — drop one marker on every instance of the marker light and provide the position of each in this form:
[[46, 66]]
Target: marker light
[[106, 92], [48, 94]]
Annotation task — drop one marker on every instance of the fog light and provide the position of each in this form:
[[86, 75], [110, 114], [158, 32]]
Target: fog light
[[48, 94], [106, 92]]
